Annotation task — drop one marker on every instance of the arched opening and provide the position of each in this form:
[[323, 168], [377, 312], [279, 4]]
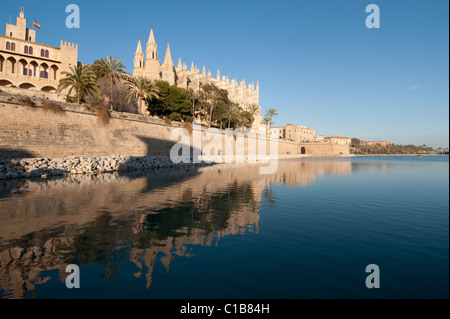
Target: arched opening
[[46, 54], [303, 150], [27, 86], [48, 89], [23, 67], [5, 83], [8, 45], [44, 71], [25, 49], [54, 72], [2, 63], [13, 47], [11, 65], [33, 69], [30, 50]]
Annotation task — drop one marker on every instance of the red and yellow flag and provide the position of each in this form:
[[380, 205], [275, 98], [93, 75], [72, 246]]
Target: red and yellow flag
[[37, 25]]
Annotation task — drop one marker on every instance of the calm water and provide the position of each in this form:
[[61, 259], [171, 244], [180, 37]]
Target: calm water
[[308, 231]]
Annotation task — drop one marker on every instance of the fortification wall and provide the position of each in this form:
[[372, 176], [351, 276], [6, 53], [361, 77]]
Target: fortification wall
[[34, 132]]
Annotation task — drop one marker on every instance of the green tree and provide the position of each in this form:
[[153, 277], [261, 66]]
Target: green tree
[[245, 119], [173, 103], [112, 69], [232, 113], [266, 121], [356, 141], [194, 97], [141, 88], [254, 110], [212, 98], [271, 113], [80, 79]]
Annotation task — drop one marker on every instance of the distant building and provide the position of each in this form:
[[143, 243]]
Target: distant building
[[26, 64], [383, 143], [294, 133], [339, 140], [319, 138]]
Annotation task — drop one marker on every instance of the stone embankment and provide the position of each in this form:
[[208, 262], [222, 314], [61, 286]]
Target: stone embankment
[[46, 167], [43, 167]]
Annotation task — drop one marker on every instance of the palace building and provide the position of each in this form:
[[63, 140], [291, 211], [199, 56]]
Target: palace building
[[26, 64], [150, 66], [294, 133]]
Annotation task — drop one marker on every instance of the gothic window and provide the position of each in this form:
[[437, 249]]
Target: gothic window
[[46, 53], [30, 50], [8, 46], [26, 49], [13, 47], [25, 71], [44, 74], [42, 53]]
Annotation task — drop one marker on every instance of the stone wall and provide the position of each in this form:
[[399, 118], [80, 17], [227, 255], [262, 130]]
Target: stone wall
[[27, 131]]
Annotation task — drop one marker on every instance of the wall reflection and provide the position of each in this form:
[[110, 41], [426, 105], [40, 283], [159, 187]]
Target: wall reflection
[[112, 219]]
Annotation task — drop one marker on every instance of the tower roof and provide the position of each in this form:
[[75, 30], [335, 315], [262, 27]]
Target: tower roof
[[139, 48], [151, 38], [168, 58]]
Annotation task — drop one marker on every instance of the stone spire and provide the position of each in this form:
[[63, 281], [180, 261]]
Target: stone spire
[[138, 59], [204, 71], [218, 75], [180, 65], [139, 48], [168, 58], [151, 38], [192, 67], [152, 47]]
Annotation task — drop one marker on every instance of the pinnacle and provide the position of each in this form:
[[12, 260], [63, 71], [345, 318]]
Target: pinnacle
[[151, 38]]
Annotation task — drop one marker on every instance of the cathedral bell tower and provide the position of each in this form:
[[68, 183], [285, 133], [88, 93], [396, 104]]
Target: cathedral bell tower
[[152, 64], [139, 60]]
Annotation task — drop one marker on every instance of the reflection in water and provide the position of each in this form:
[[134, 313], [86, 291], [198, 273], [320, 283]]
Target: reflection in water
[[112, 219]]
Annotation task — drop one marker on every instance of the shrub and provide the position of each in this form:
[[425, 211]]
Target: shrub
[[26, 101], [52, 107], [103, 114], [187, 126]]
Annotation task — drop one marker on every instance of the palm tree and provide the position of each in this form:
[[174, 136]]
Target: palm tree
[[232, 112], [140, 88], [111, 68], [270, 114], [253, 109], [244, 121], [266, 121], [81, 79], [212, 97], [194, 97]]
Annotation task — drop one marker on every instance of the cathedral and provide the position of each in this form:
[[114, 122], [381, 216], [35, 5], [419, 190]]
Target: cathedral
[[150, 66]]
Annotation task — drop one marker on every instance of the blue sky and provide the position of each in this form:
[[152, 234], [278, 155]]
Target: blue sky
[[315, 60]]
